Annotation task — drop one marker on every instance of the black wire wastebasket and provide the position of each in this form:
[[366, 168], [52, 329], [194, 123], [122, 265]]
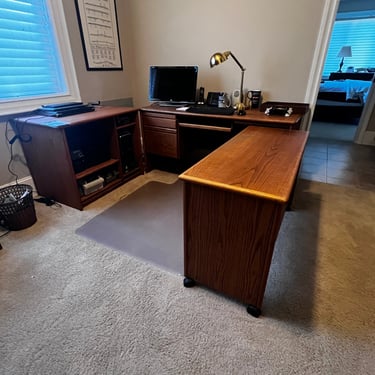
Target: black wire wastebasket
[[17, 210]]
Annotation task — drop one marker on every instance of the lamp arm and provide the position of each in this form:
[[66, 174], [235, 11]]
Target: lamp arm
[[341, 64], [241, 86], [242, 75], [238, 63]]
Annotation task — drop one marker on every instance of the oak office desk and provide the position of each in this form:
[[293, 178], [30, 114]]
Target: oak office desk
[[234, 203], [252, 116], [184, 137]]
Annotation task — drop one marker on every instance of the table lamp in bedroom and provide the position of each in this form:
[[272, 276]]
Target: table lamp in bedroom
[[345, 51]]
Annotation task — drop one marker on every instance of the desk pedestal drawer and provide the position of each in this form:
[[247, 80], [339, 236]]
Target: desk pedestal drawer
[[159, 120], [161, 143]]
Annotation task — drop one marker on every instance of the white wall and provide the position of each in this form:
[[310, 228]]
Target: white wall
[[274, 40], [101, 85]]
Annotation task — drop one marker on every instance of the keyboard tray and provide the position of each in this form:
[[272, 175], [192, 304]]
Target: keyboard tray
[[210, 110]]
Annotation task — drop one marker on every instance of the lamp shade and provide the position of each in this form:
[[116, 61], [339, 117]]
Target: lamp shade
[[345, 51], [218, 57]]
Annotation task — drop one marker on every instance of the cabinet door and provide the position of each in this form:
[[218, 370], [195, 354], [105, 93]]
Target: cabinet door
[[160, 143]]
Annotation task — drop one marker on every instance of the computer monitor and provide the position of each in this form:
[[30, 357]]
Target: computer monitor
[[173, 85]]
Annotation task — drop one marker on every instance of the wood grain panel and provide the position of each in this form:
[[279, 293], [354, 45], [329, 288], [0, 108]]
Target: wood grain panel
[[49, 161], [229, 240], [160, 143], [234, 203]]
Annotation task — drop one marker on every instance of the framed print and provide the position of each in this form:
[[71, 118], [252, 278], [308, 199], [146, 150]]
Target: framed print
[[99, 32]]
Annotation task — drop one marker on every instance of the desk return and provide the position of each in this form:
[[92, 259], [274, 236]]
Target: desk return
[[234, 203]]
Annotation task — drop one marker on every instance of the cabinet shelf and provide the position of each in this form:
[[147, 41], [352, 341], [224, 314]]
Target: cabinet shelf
[[96, 168], [109, 186], [96, 194]]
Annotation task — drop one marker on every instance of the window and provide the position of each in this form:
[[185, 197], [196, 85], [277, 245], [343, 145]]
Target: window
[[36, 65], [357, 33]]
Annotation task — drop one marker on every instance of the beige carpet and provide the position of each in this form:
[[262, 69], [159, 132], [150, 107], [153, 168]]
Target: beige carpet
[[69, 305]]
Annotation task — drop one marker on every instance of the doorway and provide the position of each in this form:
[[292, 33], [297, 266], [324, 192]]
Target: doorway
[[325, 122]]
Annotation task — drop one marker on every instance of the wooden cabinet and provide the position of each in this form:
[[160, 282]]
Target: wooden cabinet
[[77, 159], [160, 134]]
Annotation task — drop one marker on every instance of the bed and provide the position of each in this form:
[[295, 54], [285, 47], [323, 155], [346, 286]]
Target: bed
[[341, 98]]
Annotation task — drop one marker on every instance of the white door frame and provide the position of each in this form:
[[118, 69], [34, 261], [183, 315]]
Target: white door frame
[[362, 135]]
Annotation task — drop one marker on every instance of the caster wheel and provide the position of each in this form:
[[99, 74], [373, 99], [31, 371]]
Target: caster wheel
[[254, 311], [188, 283]]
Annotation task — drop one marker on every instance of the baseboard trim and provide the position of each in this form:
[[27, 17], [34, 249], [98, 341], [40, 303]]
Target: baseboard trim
[[28, 180]]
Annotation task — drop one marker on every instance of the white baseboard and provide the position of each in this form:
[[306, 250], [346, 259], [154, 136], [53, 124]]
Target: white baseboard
[[28, 180]]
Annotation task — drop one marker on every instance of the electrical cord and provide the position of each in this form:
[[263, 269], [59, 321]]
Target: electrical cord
[[23, 138], [10, 145], [47, 201]]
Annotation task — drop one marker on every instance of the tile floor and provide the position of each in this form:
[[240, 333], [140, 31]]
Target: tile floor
[[332, 157]]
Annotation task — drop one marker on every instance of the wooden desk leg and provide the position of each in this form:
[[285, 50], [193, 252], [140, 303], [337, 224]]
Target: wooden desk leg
[[229, 240]]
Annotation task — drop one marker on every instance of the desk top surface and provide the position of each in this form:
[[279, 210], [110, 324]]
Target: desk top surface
[[61, 122], [252, 115], [259, 161]]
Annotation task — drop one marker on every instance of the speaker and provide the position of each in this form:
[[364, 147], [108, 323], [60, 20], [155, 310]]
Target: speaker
[[236, 97], [78, 160], [201, 95]]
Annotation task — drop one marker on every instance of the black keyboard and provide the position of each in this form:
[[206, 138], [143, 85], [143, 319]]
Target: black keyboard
[[210, 110]]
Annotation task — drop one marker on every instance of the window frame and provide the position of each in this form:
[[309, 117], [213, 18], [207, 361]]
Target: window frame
[[60, 29]]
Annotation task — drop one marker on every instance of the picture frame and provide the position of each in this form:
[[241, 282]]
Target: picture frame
[[97, 21]]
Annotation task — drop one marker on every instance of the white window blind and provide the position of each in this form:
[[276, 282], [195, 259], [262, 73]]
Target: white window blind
[[360, 35], [31, 65]]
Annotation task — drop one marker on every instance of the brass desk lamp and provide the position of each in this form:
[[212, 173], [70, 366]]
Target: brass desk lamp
[[217, 59]]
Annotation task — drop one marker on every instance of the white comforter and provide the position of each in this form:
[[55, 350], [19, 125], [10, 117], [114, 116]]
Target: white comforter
[[354, 89]]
